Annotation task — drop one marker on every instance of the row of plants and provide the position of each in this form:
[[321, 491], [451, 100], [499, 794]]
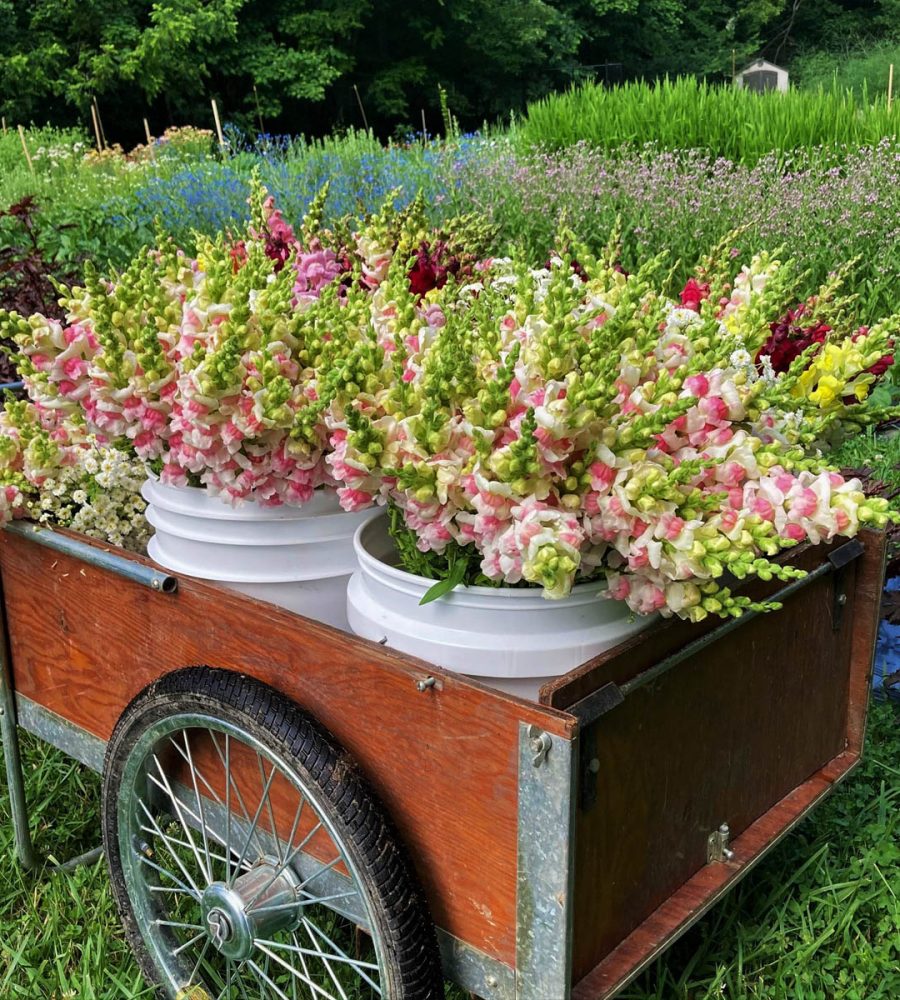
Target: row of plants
[[688, 113], [526, 426], [107, 208]]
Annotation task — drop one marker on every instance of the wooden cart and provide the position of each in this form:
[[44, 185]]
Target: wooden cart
[[556, 848]]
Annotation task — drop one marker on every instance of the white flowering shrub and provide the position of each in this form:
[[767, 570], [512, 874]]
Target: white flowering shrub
[[54, 471]]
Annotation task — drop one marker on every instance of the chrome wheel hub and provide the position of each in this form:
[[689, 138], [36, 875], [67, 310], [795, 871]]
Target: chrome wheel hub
[[259, 904]]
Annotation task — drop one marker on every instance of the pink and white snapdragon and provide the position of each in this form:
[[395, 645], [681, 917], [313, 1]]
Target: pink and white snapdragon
[[558, 441]]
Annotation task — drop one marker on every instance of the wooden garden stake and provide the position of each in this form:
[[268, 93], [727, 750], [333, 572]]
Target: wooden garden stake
[[150, 145], [424, 130], [362, 110], [96, 128], [890, 85], [4, 125], [25, 149], [100, 123], [218, 124], [262, 128]]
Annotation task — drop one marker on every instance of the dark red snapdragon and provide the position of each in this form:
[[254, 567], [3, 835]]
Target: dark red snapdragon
[[789, 338], [434, 263], [693, 293]]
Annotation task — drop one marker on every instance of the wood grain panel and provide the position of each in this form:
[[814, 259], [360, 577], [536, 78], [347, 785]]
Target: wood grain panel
[[640, 651], [720, 738], [708, 886], [443, 761]]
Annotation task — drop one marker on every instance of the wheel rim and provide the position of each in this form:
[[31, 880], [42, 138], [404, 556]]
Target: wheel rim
[[241, 886]]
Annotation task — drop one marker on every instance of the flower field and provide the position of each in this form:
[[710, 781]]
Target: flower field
[[828, 204], [646, 335]]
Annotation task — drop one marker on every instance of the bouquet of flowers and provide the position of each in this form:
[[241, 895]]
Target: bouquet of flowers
[[208, 368], [574, 420], [525, 426]]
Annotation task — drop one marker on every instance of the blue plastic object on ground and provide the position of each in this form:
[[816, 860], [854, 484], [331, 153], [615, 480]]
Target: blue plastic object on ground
[[887, 654]]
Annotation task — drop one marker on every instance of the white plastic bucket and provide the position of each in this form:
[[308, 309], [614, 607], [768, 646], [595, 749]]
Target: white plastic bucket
[[511, 638], [299, 558]]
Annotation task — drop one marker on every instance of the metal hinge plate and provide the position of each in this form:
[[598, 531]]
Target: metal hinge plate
[[717, 845]]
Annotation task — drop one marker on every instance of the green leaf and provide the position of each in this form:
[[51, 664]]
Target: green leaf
[[453, 579]]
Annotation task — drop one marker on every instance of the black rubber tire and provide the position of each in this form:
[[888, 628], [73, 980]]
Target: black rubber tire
[[412, 958]]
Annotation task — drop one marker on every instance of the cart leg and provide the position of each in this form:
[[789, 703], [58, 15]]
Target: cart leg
[[15, 780]]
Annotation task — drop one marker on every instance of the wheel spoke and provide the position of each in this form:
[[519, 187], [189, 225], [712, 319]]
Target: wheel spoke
[[183, 843], [299, 975], [262, 975], [240, 981], [226, 764], [300, 955], [317, 952], [262, 774], [175, 802], [302, 958], [164, 839], [175, 923], [187, 944], [324, 960], [177, 892], [229, 975], [359, 966], [320, 871], [226, 805], [199, 961], [190, 760], [255, 820], [194, 892], [311, 901]]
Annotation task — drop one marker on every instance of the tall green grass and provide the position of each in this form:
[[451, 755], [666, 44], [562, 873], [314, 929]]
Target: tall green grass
[[685, 113]]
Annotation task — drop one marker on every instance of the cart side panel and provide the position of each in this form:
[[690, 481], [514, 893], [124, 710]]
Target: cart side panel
[[443, 760], [768, 716]]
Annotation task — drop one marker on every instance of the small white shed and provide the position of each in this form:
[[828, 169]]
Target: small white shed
[[762, 75]]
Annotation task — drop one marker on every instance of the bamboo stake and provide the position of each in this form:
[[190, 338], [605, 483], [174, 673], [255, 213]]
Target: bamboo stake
[[424, 130], [96, 128], [25, 149], [218, 124], [262, 128], [890, 86], [361, 108], [100, 123], [4, 125], [150, 145]]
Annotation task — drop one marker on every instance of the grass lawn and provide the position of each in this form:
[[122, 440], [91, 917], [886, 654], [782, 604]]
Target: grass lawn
[[818, 920]]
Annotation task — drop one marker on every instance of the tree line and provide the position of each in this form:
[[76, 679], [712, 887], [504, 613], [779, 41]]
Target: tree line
[[305, 66]]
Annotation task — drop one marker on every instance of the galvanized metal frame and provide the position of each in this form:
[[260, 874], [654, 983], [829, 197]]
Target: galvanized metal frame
[[86, 748], [12, 756], [546, 865]]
